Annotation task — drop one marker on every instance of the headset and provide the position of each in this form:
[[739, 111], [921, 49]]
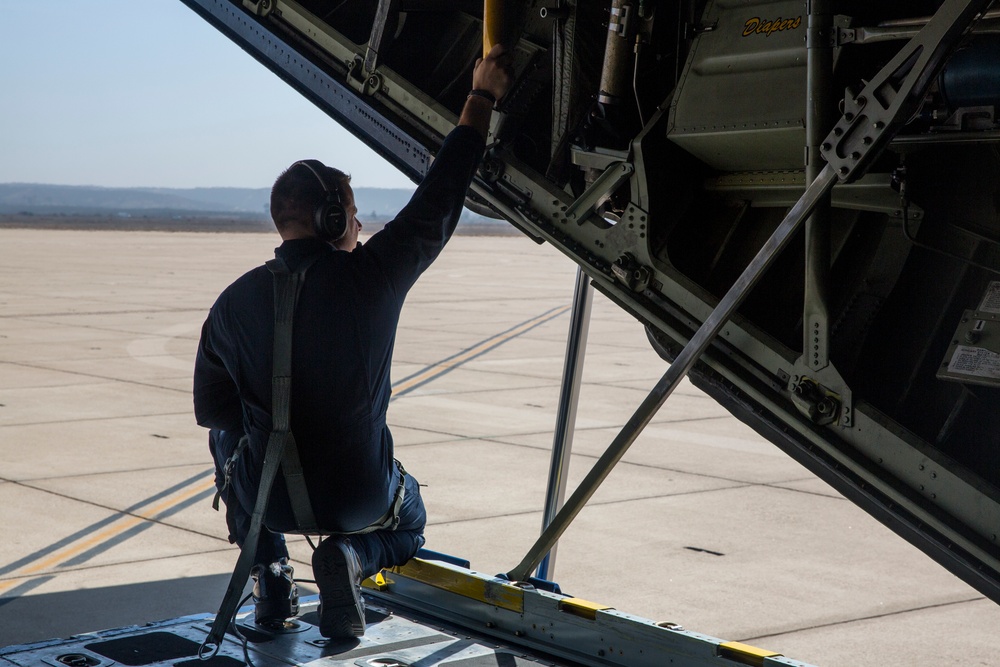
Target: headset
[[330, 218]]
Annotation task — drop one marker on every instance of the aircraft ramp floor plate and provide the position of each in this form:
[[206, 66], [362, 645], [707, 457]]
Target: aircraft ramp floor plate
[[426, 613], [390, 640]]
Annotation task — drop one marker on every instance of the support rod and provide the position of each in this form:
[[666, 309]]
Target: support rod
[[821, 114], [682, 364], [569, 397]]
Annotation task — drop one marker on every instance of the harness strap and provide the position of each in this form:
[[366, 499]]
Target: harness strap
[[287, 287], [231, 600], [227, 473]]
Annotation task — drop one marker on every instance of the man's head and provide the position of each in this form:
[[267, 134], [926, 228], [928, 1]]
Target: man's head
[[299, 193]]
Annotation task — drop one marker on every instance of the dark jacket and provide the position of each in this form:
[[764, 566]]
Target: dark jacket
[[343, 335]]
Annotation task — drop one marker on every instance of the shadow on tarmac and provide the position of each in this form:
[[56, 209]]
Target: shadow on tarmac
[[33, 618]]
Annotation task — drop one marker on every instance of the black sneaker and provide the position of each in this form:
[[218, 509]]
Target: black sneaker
[[275, 595], [338, 574]]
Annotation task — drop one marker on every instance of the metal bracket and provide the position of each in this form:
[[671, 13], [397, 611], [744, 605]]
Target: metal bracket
[[845, 36], [815, 401], [361, 80], [259, 7], [634, 275], [692, 30], [598, 191], [873, 117], [619, 21]]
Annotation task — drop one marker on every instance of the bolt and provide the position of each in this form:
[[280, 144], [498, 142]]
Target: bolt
[[837, 131], [861, 101], [855, 155], [879, 125], [848, 116], [867, 141], [825, 147], [843, 171]]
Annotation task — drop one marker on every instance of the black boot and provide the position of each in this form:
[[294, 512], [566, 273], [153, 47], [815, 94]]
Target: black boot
[[275, 595], [337, 571]]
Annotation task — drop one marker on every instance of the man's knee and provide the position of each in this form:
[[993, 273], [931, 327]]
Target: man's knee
[[412, 514]]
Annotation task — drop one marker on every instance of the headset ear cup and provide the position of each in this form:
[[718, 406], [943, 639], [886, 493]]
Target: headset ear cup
[[331, 221], [330, 218]]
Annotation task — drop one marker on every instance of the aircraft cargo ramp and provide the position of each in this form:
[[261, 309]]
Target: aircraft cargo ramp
[[824, 267]]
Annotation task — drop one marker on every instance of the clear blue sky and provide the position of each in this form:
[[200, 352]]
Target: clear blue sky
[[124, 93]]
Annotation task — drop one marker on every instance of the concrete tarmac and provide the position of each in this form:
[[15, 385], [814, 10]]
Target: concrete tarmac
[[105, 485]]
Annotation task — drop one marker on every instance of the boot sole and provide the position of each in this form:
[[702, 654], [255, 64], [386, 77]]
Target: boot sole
[[342, 611]]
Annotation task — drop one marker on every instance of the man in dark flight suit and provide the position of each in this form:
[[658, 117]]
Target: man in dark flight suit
[[343, 334]]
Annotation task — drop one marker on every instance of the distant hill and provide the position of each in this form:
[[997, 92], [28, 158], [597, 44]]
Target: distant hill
[[41, 199], [200, 209]]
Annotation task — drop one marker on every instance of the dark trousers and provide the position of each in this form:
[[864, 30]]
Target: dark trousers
[[376, 550]]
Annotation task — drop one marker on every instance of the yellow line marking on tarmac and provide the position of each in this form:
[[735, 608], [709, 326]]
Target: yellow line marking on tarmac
[[120, 526]]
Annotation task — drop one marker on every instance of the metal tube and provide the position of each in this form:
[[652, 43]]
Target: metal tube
[[569, 396], [617, 55], [682, 364], [493, 24], [821, 114]]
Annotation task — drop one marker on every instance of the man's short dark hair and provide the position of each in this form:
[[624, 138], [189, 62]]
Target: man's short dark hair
[[297, 193]]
